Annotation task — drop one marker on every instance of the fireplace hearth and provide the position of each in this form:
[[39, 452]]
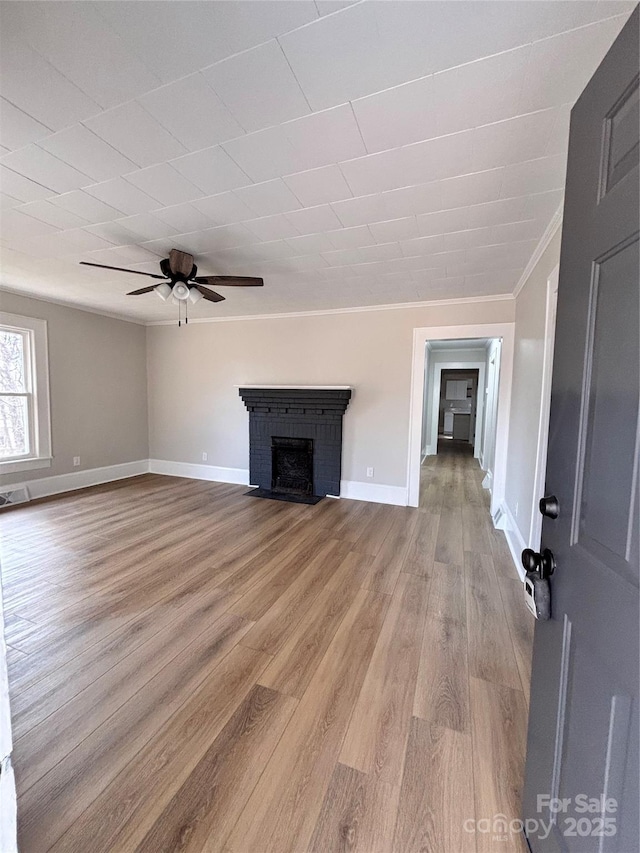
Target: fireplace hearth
[[295, 440]]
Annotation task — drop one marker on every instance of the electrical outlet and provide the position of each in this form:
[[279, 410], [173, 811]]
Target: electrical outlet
[[369, 472], [76, 461], [205, 456]]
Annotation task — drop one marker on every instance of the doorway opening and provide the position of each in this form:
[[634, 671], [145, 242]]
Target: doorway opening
[[489, 348], [457, 406], [460, 401]]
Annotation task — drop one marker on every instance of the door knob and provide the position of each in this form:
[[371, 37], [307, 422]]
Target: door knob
[[542, 565], [549, 507]]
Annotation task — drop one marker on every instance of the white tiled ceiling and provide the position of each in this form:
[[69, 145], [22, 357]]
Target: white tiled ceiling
[[351, 153]]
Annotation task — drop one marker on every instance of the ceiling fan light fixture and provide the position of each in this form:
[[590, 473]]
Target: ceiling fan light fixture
[[180, 291], [163, 290], [194, 295]]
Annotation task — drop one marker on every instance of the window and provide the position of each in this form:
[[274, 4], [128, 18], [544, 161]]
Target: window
[[25, 433]]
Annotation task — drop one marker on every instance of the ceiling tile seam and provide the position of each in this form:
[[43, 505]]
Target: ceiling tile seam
[[124, 214], [421, 142], [291, 190], [429, 257], [251, 181], [295, 76], [153, 119], [446, 70], [48, 189], [62, 74], [48, 201], [310, 23], [39, 142], [188, 233], [73, 254], [453, 133], [33, 118], [375, 242], [243, 51], [319, 19], [152, 197], [217, 95], [453, 177], [622, 16], [223, 143], [161, 85], [125, 47], [168, 162], [361, 135], [212, 89]]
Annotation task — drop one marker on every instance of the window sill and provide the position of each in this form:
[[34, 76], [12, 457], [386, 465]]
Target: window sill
[[14, 466]]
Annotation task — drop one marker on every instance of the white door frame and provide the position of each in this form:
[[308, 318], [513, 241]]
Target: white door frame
[[535, 530], [416, 402], [437, 383]]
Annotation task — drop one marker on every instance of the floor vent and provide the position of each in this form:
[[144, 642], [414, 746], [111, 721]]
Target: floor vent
[[500, 519], [19, 495]]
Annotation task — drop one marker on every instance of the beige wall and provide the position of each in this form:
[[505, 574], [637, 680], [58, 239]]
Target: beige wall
[[527, 388], [98, 385], [194, 406]]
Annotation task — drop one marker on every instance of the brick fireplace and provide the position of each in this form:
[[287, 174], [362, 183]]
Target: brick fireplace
[[295, 437]]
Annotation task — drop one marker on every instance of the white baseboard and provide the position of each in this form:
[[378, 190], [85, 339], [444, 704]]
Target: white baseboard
[[350, 489], [373, 492], [239, 476], [515, 540], [56, 484]]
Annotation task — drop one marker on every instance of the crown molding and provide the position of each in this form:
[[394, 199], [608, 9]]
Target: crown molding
[[396, 306], [547, 237], [63, 304]]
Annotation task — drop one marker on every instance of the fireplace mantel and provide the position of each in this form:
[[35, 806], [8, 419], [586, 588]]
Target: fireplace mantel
[[298, 387], [300, 411], [296, 400]]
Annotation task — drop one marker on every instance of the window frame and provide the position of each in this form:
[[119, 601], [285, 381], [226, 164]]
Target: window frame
[[34, 332]]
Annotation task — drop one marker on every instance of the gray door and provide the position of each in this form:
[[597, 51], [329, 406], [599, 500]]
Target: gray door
[[583, 726]]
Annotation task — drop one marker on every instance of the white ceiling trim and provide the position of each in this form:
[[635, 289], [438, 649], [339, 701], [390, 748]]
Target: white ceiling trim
[[547, 237], [74, 305], [500, 297]]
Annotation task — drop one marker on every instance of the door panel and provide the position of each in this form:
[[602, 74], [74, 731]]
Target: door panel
[[611, 403], [583, 724]]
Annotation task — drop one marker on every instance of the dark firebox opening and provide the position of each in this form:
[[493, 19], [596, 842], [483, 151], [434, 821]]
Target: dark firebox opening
[[292, 465]]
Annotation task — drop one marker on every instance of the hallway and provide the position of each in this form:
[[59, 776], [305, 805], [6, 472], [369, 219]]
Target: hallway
[[193, 669]]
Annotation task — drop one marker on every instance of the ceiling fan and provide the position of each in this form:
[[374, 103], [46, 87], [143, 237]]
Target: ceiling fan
[[181, 283]]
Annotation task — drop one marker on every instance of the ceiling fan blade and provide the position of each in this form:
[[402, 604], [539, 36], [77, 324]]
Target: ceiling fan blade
[[122, 269], [230, 280], [211, 295], [142, 290], [180, 263]]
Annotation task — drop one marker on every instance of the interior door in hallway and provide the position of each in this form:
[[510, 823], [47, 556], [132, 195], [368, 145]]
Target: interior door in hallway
[[582, 759]]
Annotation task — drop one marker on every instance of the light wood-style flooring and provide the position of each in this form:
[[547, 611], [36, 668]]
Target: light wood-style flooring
[[192, 669]]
